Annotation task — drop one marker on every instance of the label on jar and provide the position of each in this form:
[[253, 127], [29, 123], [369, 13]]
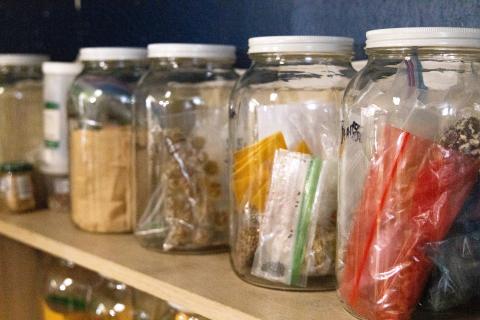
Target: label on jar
[[24, 187], [61, 186], [52, 125]]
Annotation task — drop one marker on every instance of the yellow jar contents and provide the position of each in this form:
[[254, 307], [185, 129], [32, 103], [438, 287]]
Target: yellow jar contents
[[100, 187]]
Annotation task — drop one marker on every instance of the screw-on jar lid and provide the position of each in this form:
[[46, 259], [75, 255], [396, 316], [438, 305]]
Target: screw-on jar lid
[[20, 59], [112, 53], [16, 167], [424, 37], [299, 44], [191, 50], [69, 68]]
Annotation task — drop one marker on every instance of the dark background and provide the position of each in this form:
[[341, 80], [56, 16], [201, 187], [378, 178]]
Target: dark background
[[60, 27]]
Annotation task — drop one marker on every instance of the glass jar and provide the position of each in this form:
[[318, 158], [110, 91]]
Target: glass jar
[[284, 120], [101, 138], [58, 77], [177, 312], [409, 191], [111, 300], [17, 192], [66, 291], [148, 307], [21, 107], [181, 120]]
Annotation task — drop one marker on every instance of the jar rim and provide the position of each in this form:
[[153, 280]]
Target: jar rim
[[300, 44], [112, 53], [16, 167], [191, 50], [21, 59]]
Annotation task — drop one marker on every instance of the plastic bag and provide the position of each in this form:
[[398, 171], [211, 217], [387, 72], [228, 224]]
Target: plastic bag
[[288, 226], [413, 193], [187, 209]]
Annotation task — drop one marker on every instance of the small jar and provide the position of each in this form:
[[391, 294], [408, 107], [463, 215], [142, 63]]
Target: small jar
[[101, 138], [111, 300], [66, 290], [284, 136], [181, 147], [58, 77], [148, 307], [409, 188], [17, 187]]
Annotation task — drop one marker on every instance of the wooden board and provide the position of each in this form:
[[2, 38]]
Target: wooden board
[[205, 284]]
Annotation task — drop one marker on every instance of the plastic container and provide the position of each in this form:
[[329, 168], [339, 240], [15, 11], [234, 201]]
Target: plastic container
[[17, 191], [111, 300], [181, 120], [100, 116], [58, 77], [408, 218], [66, 291], [284, 120]]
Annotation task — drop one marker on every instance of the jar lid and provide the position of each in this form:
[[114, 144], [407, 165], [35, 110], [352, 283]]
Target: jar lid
[[191, 50], [112, 53], [424, 37], [16, 167], [20, 59], [300, 44], [359, 64], [70, 68]]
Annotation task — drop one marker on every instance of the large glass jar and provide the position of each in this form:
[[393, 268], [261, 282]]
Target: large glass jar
[[66, 291], [181, 121], [111, 300], [408, 219], [101, 138], [284, 136]]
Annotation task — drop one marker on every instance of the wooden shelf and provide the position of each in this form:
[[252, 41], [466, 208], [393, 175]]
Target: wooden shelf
[[205, 284]]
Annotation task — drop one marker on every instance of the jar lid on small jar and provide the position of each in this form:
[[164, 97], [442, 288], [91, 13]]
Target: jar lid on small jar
[[69, 68], [300, 44], [112, 53], [16, 167], [191, 50], [21, 59], [424, 37]]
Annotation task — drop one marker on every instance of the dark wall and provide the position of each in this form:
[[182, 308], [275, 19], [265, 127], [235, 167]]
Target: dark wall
[[60, 27]]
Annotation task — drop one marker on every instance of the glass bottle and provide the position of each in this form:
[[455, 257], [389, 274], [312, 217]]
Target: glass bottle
[[101, 138], [66, 291], [181, 147], [111, 300], [408, 188], [284, 136]]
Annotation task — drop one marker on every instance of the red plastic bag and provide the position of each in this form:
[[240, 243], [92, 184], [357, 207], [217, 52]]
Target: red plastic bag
[[414, 191]]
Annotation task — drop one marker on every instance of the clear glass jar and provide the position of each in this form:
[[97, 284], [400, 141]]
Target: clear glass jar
[[409, 190], [111, 300], [101, 138], [21, 107], [17, 191], [284, 136], [148, 307], [181, 121], [66, 290]]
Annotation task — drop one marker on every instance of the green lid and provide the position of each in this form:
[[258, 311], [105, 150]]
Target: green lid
[[16, 167]]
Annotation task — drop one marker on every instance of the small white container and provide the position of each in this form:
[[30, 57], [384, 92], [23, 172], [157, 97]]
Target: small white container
[[58, 77]]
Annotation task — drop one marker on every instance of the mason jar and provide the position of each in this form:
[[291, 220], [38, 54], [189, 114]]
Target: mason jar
[[409, 191], [284, 138], [100, 126], [181, 133]]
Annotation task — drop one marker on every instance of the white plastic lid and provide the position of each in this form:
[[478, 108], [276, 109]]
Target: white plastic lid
[[112, 53], [300, 44], [190, 50], [21, 59], [424, 37], [70, 68]]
